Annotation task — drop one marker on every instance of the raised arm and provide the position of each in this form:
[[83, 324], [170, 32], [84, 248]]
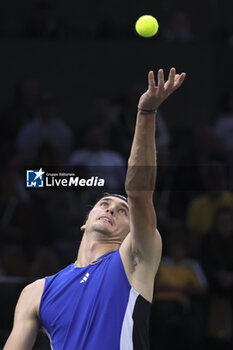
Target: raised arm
[[144, 241], [26, 320], [141, 174]]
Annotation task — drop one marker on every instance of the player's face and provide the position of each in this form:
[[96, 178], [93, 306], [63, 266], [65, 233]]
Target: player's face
[[110, 218]]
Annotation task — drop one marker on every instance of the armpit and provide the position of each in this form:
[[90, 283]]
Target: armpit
[[135, 259]]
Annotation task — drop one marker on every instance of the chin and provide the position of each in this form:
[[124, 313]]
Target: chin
[[101, 229]]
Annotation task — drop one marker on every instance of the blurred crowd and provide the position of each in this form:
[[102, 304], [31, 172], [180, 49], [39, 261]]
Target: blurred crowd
[[40, 230], [41, 19]]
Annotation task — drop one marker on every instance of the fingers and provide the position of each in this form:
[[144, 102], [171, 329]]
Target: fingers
[[160, 79], [174, 80], [151, 80], [179, 78], [171, 78]]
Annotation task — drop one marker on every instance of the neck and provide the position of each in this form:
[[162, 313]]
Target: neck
[[90, 250]]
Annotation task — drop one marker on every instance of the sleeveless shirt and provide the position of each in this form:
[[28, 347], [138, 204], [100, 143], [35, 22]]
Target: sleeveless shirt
[[94, 308]]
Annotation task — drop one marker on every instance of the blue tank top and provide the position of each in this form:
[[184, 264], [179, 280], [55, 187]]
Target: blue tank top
[[94, 308]]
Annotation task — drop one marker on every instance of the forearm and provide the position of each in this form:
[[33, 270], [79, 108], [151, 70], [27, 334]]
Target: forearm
[[141, 171]]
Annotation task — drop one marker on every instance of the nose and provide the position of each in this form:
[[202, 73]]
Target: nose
[[110, 210]]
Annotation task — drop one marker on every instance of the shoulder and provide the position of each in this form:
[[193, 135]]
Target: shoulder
[[226, 195], [59, 123], [27, 129], [116, 156], [201, 200], [31, 295], [34, 287], [224, 120], [78, 157]]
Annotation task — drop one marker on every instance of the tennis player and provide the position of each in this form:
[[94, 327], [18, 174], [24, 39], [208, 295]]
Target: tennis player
[[103, 300]]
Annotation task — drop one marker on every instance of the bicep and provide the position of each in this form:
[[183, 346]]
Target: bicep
[[26, 325]]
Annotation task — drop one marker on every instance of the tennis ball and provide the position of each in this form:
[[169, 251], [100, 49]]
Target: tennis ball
[[147, 26]]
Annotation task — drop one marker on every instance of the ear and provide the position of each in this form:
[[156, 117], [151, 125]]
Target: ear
[[83, 227]]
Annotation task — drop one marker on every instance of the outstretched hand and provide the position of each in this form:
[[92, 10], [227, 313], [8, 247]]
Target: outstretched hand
[[156, 94]]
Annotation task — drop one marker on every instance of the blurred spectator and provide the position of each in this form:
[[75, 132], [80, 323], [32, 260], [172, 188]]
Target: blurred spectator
[[215, 185], [217, 259], [202, 209], [25, 260], [14, 165], [45, 156], [77, 207], [45, 128], [55, 222], [45, 262], [177, 319], [99, 160], [18, 217], [31, 216], [179, 28], [99, 111], [51, 206], [224, 127], [179, 276], [21, 110], [230, 38], [207, 143], [193, 152], [42, 22], [14, 261]]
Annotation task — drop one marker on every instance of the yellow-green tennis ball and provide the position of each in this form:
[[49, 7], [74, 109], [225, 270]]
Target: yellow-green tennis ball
[[147, 26]]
